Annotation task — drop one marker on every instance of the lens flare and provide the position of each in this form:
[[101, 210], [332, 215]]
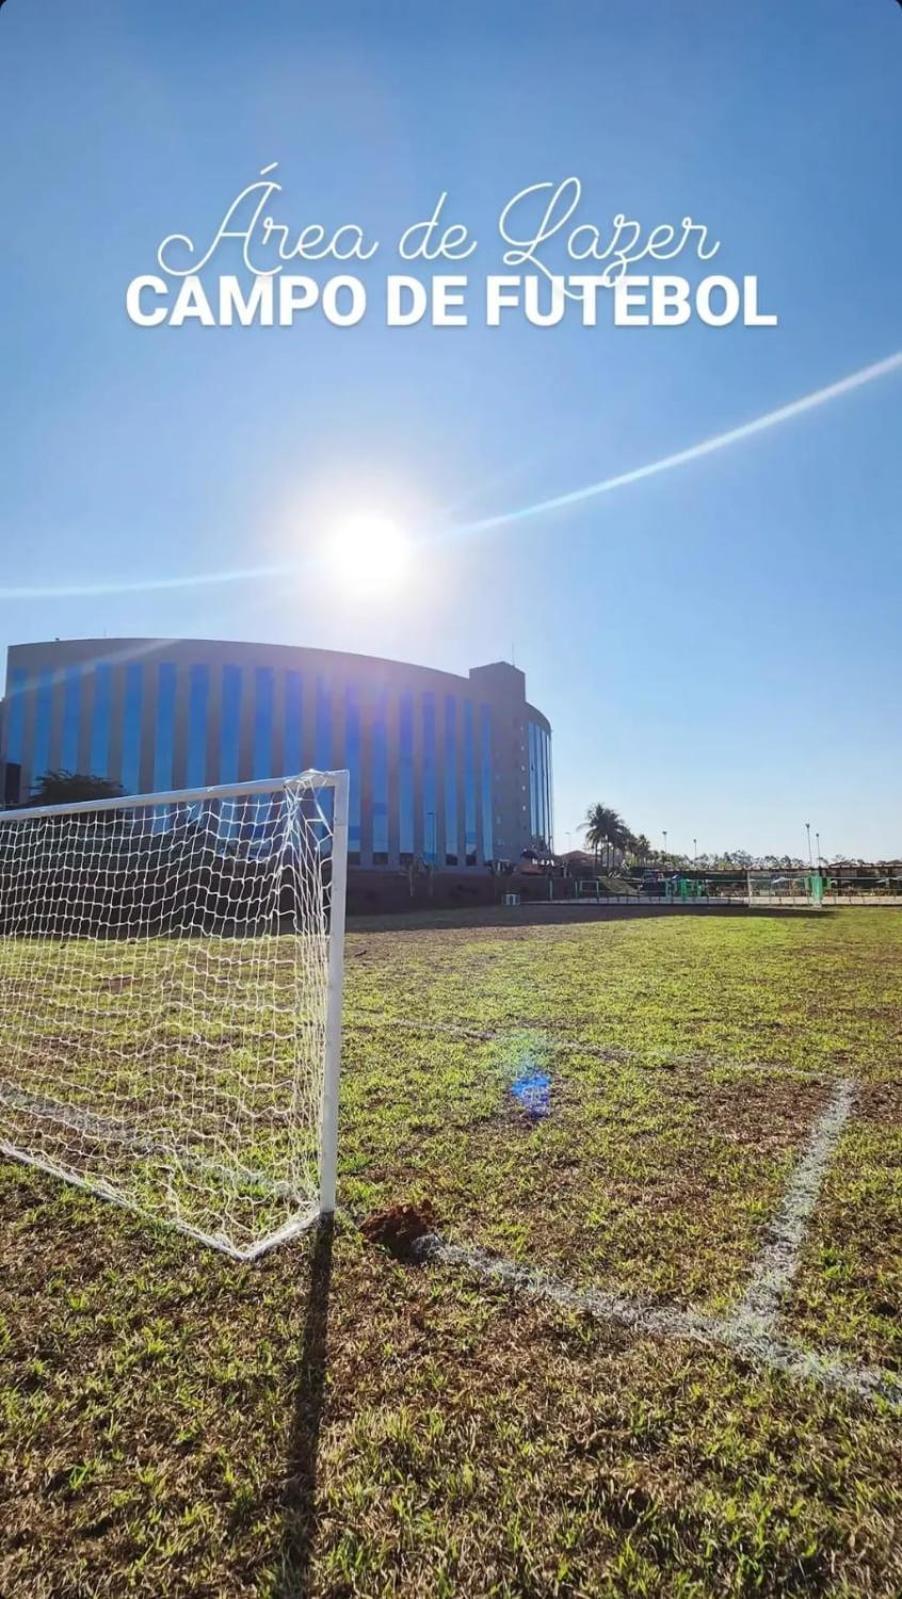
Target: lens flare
[[373, 554]]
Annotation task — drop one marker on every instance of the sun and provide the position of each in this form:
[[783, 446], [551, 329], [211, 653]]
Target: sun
[[368, 554]]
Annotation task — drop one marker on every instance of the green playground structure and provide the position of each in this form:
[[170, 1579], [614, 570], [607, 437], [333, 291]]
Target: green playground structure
[[686, 888]]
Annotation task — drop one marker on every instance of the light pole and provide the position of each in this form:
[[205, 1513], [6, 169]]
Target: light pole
[[808, 834], [695, 852], [665, 845], [817, 842]]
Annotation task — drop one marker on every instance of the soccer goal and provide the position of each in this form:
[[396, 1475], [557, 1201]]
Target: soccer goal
[[170, 1001], [786, 888]]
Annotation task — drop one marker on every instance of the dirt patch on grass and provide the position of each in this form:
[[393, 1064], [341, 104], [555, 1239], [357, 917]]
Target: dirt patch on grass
[[399, 1227], [157, 1438]]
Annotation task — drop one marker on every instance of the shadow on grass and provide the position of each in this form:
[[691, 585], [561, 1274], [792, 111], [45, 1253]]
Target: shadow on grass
[[299, 1531]]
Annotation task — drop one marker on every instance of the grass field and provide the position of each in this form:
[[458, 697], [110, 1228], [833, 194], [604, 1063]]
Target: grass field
[[674, 1382]]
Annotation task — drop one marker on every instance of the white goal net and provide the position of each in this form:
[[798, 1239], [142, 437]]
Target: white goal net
[[785, 888], [170, 1001]]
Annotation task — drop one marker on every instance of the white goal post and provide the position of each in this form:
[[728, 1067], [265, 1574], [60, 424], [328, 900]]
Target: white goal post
[[171, 999]]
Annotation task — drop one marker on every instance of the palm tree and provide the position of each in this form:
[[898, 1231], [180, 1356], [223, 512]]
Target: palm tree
[[604, 826]]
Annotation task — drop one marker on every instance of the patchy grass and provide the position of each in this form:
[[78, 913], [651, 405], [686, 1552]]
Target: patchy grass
[[332, 1421], [849, 1291]]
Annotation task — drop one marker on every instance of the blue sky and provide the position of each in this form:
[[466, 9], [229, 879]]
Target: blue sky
[[717, 647]]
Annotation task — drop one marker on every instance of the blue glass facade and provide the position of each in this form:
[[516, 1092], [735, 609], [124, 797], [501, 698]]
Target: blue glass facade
[[379, 780], [164, 741], [198, 697], [470, 834], [488, 831], [43, 714], [229, 724], [430, 784], [99, 758], [292, 726], [532, 741], [405, 777], [15, 725], [539, 745], [131, 729], [352, 762], [263, 763], [71, 720], [435, 769], [450, 771], [322, 749]]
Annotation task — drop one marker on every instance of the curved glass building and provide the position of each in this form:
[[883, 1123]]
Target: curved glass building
[[454, 770]]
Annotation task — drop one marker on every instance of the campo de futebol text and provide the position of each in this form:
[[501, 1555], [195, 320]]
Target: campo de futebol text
[[538, 226]]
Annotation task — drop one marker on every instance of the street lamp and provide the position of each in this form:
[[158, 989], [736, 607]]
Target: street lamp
[[665, 845], [808, 834], [817, 841]]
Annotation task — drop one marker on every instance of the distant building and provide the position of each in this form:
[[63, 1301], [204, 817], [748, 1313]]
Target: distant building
[[453, 770]]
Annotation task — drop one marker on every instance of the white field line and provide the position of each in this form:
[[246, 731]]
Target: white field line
[[777, 1264], [749, 1332], [370, 1022], [865, 1382]]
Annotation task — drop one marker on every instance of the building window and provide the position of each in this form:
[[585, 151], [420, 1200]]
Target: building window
[[264, 693], [450, 777], [322, 752], [131, 728], [546, 787], [322, 756], [164, 733], [229, 724], [405, 778], [198, 694], [292, 726], [469, 784], [43, 712], [531, 731], [352, 761], [488, 848], [379, 782], [430, 819], [71, 704], [539, 782], [15, 727], [99, 754]]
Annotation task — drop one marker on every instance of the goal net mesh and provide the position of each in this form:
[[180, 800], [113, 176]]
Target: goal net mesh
[[163, 1003], [785, 887]]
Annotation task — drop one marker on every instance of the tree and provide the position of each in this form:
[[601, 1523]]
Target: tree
[[67, 788], [605, 826]]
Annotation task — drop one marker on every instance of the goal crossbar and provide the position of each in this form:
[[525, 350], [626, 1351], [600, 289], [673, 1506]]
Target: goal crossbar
[[312, 778], [171, 1000]]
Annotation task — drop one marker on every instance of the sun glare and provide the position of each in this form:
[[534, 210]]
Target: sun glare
[[369, 554]]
